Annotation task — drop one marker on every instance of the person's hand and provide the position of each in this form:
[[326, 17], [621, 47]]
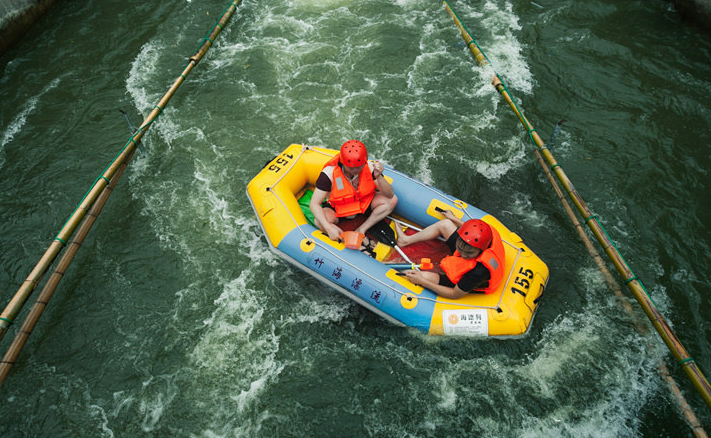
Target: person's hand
[[415, 277], [377, 169], [334, 232], [449, 215]]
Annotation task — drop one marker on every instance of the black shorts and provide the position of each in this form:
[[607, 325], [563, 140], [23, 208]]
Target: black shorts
[[325, 204]]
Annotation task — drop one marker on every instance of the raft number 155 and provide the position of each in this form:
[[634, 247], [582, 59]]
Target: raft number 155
[[280, 163], [521, 280]]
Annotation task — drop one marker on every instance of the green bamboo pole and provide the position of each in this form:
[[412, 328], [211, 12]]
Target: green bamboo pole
[[30, 321], [13, 308], [688, 364], [681, 402]]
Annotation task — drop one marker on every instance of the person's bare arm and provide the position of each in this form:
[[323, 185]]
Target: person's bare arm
[[333, 231], [449, 215], [380, 182], [430, 280]]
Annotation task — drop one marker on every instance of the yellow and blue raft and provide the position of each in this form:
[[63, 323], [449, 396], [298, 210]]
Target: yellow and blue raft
[[371, 281]]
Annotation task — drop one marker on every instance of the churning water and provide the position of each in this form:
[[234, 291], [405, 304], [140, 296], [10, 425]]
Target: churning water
[[176, 320]]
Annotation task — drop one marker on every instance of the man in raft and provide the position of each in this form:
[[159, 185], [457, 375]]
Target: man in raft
[[477, 265], [351, 188]]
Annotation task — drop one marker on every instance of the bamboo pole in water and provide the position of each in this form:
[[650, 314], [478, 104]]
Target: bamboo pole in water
[[683, 405], [13, 308], [634, 285], [30, 321]]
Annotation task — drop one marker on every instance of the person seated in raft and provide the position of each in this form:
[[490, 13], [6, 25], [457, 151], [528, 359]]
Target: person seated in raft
[[350, 187], [477, 265]]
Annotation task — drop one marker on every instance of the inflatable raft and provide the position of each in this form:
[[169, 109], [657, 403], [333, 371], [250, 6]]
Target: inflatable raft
[[373, 279]]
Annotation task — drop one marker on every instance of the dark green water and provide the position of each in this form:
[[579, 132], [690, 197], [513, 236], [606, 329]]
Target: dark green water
[[176, 320]]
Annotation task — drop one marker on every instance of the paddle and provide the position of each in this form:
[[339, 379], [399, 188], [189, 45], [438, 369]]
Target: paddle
[[383, 232], [425, 264]]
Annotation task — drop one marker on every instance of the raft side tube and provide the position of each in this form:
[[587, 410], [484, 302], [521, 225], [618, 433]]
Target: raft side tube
[[361, 276]]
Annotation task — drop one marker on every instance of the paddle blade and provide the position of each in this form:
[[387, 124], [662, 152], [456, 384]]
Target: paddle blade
[[384, 233]]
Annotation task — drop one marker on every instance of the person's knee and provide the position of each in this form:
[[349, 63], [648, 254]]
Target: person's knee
[[446, 227], [330, 216], [384, 202], [390, 202]]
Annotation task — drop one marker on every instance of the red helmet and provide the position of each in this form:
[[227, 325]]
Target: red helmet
[[476, 232], [353, 153]]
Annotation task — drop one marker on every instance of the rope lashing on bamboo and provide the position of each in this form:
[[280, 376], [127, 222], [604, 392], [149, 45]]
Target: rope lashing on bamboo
[[630, 278], [133, 129], [659, 323], [685, 362], [13, 308]]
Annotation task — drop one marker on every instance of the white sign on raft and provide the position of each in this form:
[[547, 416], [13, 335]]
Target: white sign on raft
[[466, 322]]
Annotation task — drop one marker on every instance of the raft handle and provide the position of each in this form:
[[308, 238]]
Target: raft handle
[[540, 294]]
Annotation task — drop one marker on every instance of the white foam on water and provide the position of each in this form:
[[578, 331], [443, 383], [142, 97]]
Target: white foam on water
[[511, 157], [16, 124], [523, 209], [438, 63], [579, 345], [413, 6], [179, 208], [99, 413], [588, 374], [445, 392], [143, 70], [309, 311], [217, 208], [238, 348], [321, 5], [154, 402], [66, 399], [614, 216], [235, 359], [144, 84], [503, 49]]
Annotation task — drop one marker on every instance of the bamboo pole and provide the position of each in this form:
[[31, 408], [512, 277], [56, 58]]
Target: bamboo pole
[[683, 405], [15, 305], [30, 321], [689, 366]]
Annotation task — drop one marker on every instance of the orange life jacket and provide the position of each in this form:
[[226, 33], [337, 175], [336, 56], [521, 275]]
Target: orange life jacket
[[492, 258], [345, 199]]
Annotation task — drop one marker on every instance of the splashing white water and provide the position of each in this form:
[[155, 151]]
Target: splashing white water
[[20, 119]]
